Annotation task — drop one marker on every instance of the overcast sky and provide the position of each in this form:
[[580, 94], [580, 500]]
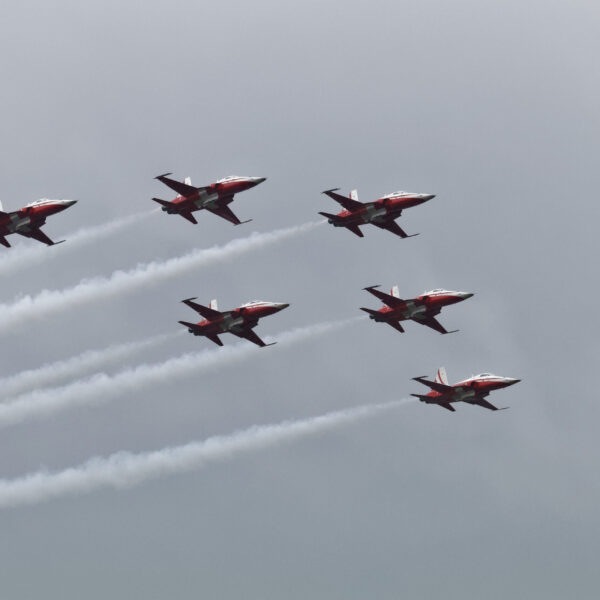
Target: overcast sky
[[493, 107]]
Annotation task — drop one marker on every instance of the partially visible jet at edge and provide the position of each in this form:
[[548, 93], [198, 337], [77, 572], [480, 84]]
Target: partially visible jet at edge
[[239, 321], [28, 220], [472, 391], [214, 197], [381, 213], [423, 309]]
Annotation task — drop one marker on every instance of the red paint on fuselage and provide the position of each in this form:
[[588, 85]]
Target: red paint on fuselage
[[244, 316], [31, 217], [383, 208], [222, 191]]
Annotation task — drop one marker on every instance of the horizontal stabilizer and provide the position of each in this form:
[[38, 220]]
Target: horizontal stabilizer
[[370, 311], [333, 218], [163, 202]]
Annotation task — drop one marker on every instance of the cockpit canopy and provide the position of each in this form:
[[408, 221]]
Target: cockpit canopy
[[230, 178]]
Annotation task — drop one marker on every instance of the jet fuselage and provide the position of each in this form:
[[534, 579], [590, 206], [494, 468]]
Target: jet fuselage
[[30, 218], [247, 315], [212, 194], [387, 207]]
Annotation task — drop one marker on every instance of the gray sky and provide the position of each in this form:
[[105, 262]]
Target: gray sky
[[493, 107]]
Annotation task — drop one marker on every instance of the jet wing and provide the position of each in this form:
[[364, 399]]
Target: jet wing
[[207, 313], [355, 230], [249, 335], [346, 202], [37, 234], [186, 214], [433, 323], [482, 402], [226, 213], [434, 385], [388, 299], [394, 228], [183, 189], [396, 325]]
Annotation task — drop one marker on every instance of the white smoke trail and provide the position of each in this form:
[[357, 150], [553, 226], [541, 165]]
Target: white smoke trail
[[50, 301], [76, 365], [102, 387], [125, 469], [30, 255]]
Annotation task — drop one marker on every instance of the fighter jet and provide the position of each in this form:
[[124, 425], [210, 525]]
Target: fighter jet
[[422, 309], [29, 220], [214, 197], [473, 390], [239, 321], [381, 213]]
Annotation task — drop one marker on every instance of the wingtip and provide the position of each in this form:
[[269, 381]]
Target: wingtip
[[271, 344], [243, 222], [372, 287], [189, 299], [331, 190], [163, 175]]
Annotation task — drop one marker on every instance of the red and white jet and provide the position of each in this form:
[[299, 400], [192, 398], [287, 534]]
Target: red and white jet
[[422, 309], [381, 213], [214, 197], [239, 321], [473, 390], [28, 221]]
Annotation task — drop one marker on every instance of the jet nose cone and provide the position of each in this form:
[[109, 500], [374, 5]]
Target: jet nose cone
[[258, 180], [428, 196], [465, 295], [282, 305], [511, 381], [69, 202]]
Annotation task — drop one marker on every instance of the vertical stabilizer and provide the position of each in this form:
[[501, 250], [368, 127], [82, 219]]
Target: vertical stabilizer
[[354, 195], [441, 376], [213, 305], [1, 207], [395, 292], [187, 181]]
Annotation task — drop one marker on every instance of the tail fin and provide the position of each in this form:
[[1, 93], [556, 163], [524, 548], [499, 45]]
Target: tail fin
[[213, 305], [354, 195], [395, 292], [187, 181], [1, 207], [441, 376]]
